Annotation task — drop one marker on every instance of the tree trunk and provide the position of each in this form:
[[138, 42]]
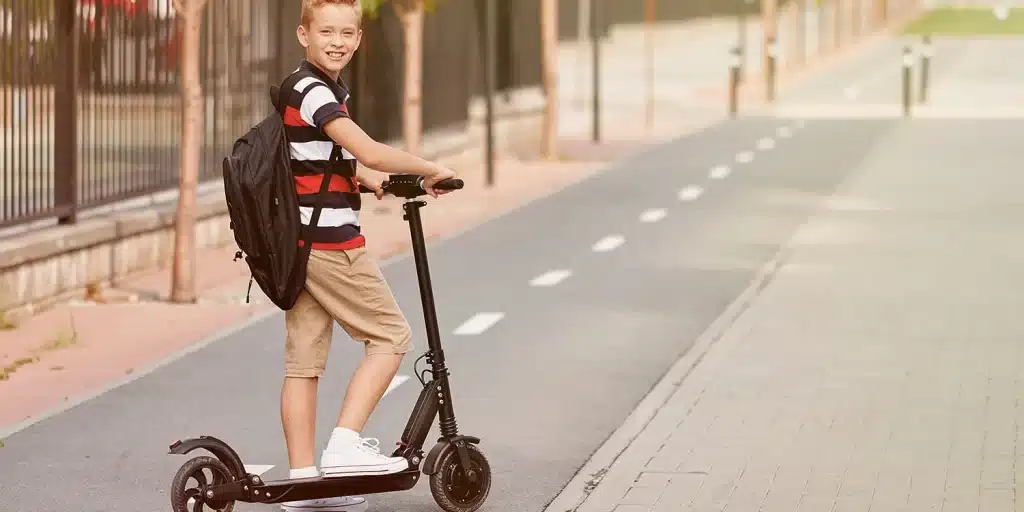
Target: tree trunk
[[800, 32], [411, 14], [549, 45], [183, 284], [838, 15], [770, 20], [881, 12]]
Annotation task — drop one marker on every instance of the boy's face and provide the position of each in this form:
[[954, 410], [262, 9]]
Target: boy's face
[[332, 37]]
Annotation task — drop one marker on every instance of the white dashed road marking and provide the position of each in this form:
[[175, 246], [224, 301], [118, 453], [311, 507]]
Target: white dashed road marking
[[690, 193], [398, 380], [258, 469], [745, 157], [550, 278], [478, 324], [608, 243], [784, 132], [719, 172], [765, 144], [653, 215]]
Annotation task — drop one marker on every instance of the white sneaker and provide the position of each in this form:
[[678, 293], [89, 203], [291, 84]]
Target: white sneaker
[[353, 455], [343, 504]]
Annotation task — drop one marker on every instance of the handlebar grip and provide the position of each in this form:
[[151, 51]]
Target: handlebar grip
[[449, 184]]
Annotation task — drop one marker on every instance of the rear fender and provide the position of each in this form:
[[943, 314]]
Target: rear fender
[[218, 448]]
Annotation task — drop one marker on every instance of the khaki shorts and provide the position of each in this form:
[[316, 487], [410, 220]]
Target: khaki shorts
[[347, 287]]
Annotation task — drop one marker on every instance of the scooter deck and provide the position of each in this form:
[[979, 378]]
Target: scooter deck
[[278, 491]]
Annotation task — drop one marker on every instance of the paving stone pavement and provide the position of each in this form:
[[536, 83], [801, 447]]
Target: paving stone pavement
[[877, 366]]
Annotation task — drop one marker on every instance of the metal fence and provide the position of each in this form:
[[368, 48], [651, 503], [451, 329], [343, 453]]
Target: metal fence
[[90, 100], [90, 104]]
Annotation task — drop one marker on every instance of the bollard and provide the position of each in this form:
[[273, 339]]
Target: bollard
[[735, 63], [908, 64], [926, 58], [770, 70]]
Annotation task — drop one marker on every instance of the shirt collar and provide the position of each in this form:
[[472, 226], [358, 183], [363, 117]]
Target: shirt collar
[[339, 84]]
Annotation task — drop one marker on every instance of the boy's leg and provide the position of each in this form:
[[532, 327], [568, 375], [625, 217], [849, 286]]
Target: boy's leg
[[366, 388], [356, 295], [309, 328]]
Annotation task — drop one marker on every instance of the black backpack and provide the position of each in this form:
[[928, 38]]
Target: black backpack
[[263, 206]]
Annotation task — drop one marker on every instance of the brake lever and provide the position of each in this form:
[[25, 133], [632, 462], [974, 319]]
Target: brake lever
[[366, 190]]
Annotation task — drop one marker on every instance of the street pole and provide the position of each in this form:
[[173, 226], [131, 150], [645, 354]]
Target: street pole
[[488, 13], [734, 81], [770, 71], [769, 14], [650, 10], [741, 31], [595, 40], [908, 63]]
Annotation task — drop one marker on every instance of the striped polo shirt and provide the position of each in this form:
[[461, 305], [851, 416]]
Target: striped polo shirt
[[315, 100]]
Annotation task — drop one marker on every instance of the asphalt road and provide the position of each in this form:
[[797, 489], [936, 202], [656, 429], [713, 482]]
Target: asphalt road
[[544, 386]]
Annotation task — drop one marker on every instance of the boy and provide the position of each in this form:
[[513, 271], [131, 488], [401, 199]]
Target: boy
[[343, 282]]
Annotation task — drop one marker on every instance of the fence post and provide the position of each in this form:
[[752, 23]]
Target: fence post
[[65, 113]]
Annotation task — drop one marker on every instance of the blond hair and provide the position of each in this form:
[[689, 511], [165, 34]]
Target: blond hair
[[308, 6]]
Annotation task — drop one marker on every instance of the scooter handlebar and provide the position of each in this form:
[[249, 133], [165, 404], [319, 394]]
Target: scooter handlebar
[[410, 185], [449, 184]]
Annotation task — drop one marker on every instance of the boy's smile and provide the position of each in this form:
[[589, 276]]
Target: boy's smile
[[332, 37]]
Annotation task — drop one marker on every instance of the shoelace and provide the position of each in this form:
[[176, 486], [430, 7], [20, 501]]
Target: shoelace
[[369, 444]]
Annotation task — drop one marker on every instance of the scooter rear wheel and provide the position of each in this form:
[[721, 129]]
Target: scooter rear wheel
[[204, 471], [451, 487]]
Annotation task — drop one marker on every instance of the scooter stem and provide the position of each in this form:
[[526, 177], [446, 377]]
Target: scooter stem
[[436, 354]]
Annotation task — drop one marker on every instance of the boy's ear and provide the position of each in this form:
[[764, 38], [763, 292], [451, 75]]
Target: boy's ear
[[300, 32], [359, 38]]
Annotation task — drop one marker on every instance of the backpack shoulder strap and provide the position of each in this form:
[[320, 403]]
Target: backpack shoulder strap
[[280, 94], [315, 217], [286, 89]]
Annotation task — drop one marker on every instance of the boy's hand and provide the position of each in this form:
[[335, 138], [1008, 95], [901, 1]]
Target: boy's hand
[[374, 184], [430, 181]]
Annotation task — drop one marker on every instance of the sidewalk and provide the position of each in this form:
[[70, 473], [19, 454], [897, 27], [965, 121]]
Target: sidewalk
[[875, 364]]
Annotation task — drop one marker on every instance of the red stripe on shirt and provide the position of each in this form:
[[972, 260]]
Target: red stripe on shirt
[[292, 117], [311, 184], [352, 243]]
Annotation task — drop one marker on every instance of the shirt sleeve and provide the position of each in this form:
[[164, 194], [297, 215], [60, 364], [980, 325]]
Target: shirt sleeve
[[320, 105]]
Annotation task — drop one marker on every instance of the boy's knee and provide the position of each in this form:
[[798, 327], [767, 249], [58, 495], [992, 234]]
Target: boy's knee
[[397, 342]]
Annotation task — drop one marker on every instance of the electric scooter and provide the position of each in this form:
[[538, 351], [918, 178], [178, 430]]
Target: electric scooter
[[460, 475]]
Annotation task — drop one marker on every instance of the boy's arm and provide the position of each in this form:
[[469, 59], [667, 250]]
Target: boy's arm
[[377, 156]]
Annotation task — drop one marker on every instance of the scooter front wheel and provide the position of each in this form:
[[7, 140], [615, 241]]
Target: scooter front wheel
[[203, 471], [452, 487]]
